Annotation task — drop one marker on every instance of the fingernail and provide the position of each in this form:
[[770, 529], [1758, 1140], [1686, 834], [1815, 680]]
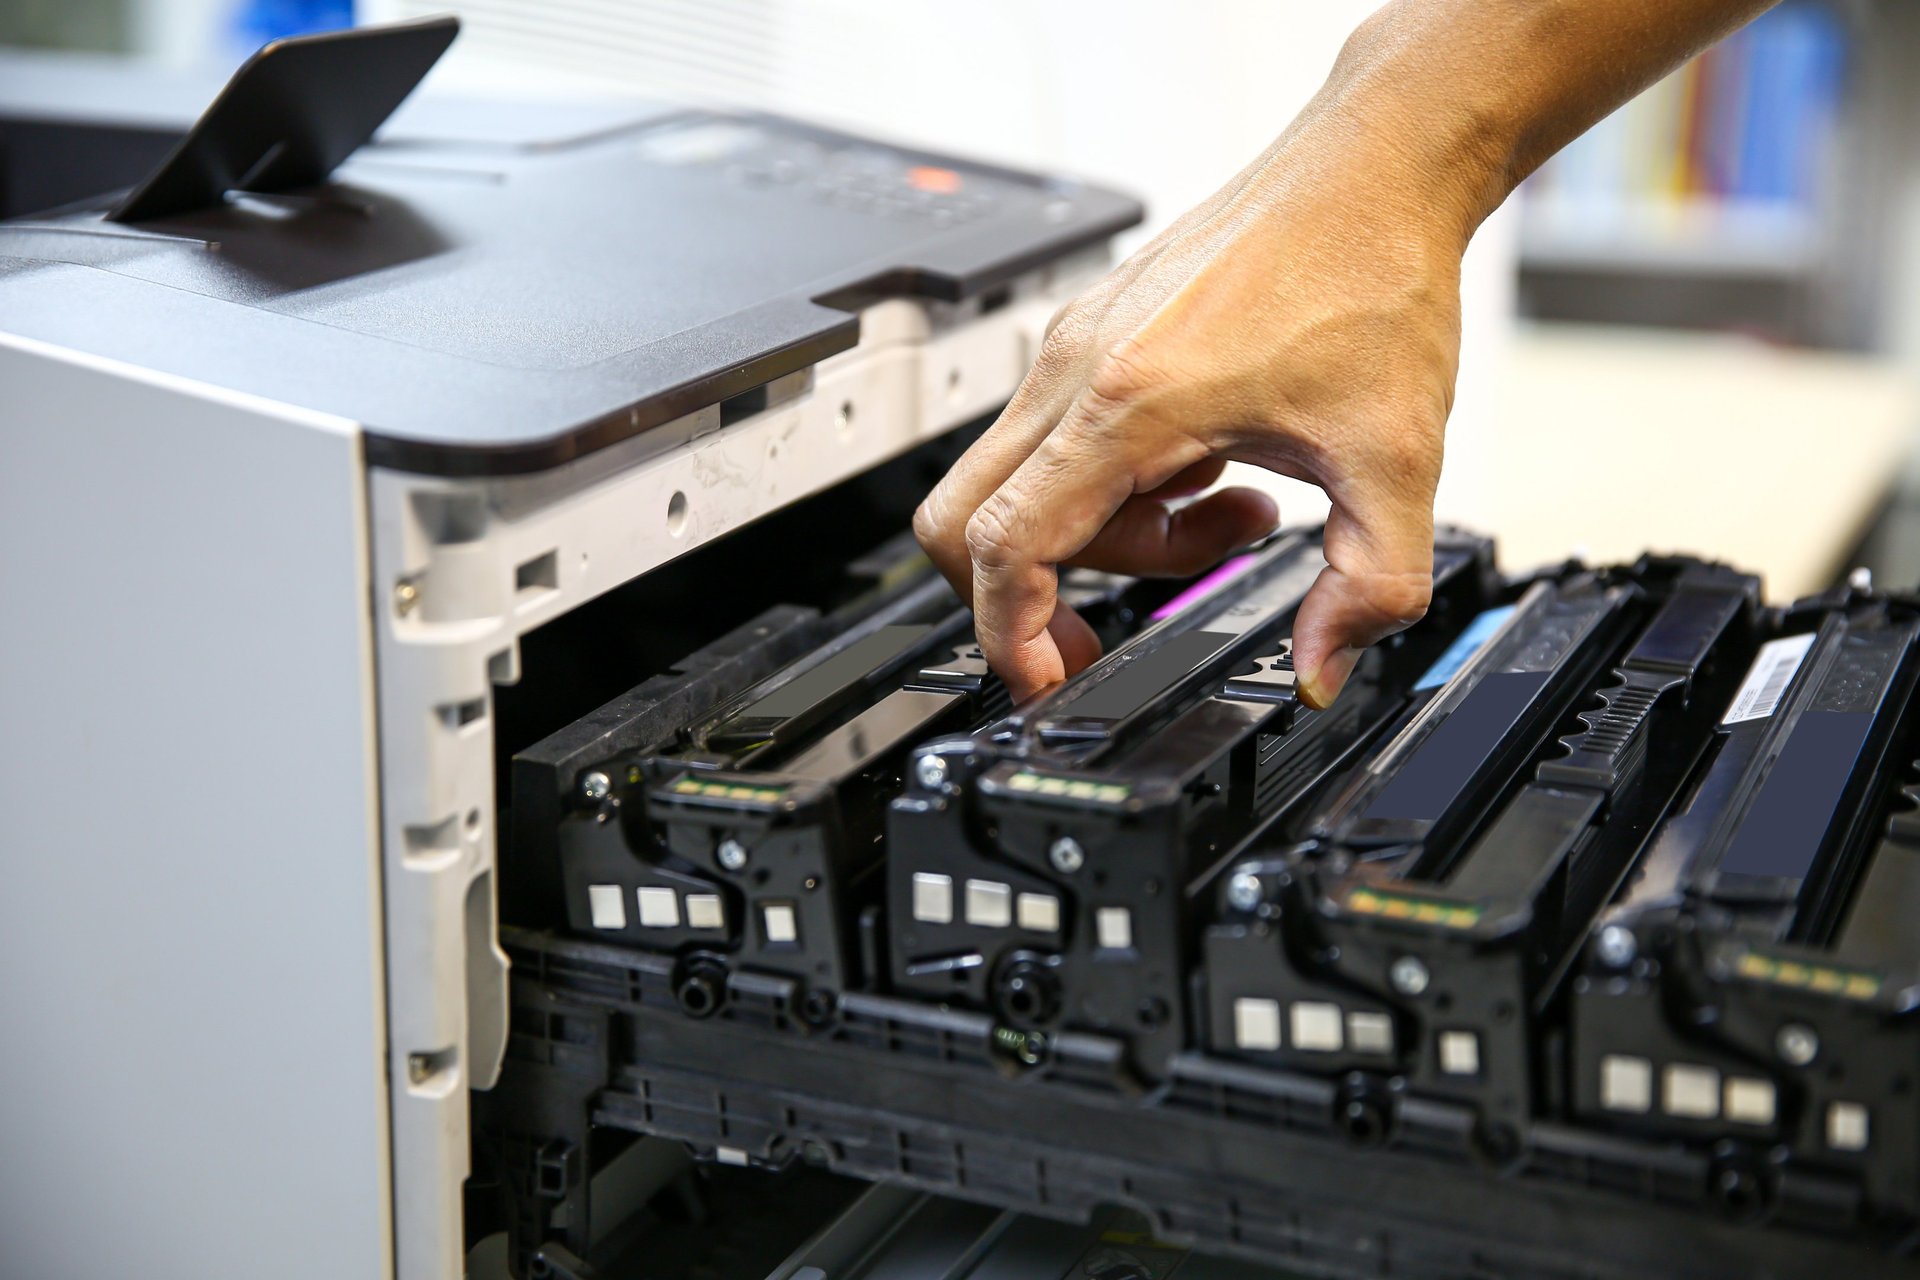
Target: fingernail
[[1319, 688]]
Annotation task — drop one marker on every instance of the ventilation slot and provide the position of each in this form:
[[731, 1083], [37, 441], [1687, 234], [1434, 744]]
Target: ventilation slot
[[737, 408], [458, 715], [537, 576]]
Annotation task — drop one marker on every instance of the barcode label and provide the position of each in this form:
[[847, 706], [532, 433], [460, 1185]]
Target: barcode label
[[1768, 678]]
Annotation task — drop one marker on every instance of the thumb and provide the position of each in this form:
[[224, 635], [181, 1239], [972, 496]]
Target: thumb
[[1378, 580]]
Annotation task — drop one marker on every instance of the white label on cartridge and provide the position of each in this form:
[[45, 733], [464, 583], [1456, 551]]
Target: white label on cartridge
[[1768, 678]]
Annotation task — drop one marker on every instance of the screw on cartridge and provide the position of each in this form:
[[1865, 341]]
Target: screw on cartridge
[[930, 772], [1409, 975]]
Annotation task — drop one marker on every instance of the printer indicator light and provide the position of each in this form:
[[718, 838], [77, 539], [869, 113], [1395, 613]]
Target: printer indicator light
[[933, 179]]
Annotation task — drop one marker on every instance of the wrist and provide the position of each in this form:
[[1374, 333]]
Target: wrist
[[1411, 116]]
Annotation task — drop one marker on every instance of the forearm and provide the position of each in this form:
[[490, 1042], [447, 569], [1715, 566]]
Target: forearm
[[1464, 98], [1305, 319]]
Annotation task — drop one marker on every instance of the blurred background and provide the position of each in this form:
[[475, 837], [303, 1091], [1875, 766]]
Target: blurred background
[[1696, 329]]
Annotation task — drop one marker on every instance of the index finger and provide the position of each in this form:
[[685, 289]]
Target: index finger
[[1046, 512], [942, 519]]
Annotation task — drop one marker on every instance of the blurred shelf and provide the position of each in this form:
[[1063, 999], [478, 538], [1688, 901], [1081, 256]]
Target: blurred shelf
[[1697, 237]]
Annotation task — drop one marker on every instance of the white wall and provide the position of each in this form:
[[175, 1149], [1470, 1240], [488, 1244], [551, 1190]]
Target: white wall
[[185, 33], [1164, 100]]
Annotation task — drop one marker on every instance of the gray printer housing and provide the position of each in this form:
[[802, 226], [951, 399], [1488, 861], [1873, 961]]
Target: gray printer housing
[[282, 484]]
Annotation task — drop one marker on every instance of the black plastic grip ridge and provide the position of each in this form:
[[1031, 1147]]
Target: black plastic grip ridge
[[1552, 819], [1613, 746], [1664, 661]]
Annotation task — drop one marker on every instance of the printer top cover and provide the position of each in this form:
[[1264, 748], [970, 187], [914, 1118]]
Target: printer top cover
[[495, 301]]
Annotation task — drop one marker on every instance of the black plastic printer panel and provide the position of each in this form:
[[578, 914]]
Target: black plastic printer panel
[[486, 304]]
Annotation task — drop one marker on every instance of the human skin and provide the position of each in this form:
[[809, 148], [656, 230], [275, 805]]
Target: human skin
[[1305, 319]]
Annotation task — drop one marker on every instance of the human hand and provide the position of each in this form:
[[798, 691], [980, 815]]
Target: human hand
[[1306, 320]]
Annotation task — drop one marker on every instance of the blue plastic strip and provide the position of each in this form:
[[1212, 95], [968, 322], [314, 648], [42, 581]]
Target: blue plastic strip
[[1468, 643]]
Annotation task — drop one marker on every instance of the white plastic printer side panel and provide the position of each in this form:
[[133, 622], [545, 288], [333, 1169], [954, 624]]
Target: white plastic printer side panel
[[192, 1078], [463, 568]]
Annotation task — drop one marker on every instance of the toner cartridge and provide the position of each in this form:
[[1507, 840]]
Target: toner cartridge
[[1510, 944], [1044, 869], [746, 836], [1413, 942], [1753, 992]]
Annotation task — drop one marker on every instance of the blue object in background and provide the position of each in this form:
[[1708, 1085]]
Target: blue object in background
[[255, 22], [1796, 77], [1755, 121]]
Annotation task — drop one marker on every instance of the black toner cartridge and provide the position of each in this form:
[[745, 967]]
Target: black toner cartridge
[[1753, 991], [1044, 869], [1419, 934], [747, 837]]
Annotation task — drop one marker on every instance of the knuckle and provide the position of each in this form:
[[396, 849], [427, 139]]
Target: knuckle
[[1084, 312], [990, 533], [1056, 352], [1398, 599], [1067, 333], [1408, 450], [929, 528], [1122, 376], [1065, 319]]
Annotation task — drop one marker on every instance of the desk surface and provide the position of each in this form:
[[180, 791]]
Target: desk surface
[[1611, 441], [1604, 443]]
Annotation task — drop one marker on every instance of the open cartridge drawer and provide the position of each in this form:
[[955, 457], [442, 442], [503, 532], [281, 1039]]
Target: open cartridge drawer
[[1322, 987]]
